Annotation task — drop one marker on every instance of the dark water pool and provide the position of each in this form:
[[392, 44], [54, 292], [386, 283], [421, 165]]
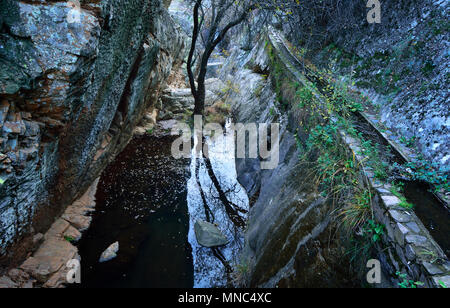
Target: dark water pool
[[141, 203], [433, 214]]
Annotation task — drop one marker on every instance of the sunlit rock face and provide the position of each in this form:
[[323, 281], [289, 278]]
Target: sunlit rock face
[[74, 82]]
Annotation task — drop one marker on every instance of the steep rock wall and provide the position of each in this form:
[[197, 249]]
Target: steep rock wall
[[291, 240], [74, 83]]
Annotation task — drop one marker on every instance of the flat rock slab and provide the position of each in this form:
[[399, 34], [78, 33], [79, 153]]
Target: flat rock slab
[[50, 258], [208, 235]]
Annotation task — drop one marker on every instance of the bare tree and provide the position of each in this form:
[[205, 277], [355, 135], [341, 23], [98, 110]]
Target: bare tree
[[218, 26], [212, 21]]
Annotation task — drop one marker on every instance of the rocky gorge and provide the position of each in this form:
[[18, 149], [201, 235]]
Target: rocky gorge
[[73, 90], [91, 93]]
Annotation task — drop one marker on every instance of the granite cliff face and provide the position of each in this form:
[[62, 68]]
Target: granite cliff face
[[74, 83]]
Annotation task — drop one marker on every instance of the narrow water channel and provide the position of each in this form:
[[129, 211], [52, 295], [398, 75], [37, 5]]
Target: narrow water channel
[[149, 202], [431, 212]]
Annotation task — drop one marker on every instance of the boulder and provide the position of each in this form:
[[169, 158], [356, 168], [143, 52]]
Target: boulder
[[110, 253], [208, 235]]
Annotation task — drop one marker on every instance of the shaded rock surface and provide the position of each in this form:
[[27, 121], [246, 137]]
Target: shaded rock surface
[[74, 83], [288, 215]]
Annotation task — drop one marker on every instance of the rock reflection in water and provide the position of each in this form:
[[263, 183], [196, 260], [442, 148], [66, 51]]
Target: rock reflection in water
[[210, 270]]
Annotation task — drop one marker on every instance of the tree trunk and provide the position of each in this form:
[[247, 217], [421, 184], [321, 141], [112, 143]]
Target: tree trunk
[[200, 97]]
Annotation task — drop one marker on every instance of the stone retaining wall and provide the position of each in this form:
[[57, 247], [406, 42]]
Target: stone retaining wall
[[407, 245]]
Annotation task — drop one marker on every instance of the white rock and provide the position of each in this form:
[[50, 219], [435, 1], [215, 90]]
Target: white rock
[[110, 253]]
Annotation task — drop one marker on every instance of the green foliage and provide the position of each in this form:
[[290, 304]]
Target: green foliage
[[374, 159], [336, 173], [397, 189], [69, 239], [277, 74], [406, 283], [357, 211], [373, 231], [361, 245], [408, 142], [428, 68], [304, 96], [272, 111], [322, 136], [431, 255], [385, 82], [425, 171]]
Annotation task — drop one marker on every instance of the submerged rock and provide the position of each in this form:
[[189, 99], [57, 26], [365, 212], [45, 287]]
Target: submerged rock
[[110, 253], [208, 235]]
